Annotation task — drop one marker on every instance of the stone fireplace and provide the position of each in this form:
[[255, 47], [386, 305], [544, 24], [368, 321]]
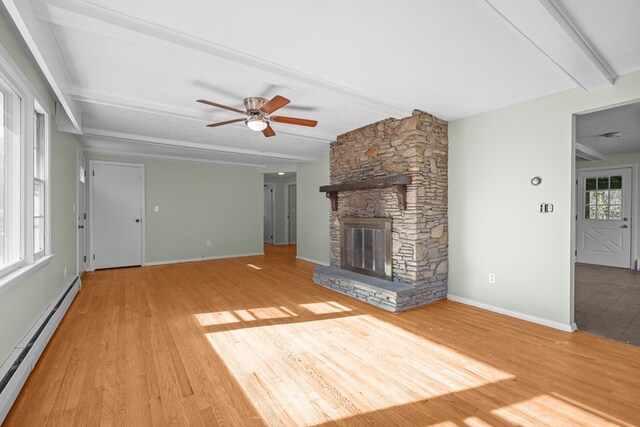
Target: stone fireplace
[[392, 173]]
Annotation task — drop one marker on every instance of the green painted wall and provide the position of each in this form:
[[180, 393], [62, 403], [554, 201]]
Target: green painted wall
[[198, 202], [22, 305], [313, 211], [494, 220], [617, 160]]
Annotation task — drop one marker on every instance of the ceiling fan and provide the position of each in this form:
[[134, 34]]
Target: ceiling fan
[[258, 112]]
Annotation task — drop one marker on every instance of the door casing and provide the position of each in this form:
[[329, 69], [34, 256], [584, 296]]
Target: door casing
[[287, 187], [272, 187], [81, 210]]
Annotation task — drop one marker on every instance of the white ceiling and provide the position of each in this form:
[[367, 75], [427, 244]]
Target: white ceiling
[[128, 72], [625, 119]]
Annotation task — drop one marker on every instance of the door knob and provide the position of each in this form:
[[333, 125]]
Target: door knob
[[137, 220], [81, 227], [625, 226], [625, 219]]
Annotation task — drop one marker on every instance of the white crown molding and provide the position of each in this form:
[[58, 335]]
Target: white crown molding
[[99, 98], [40, 42], [141, 139], [550, 28], [89, 17]]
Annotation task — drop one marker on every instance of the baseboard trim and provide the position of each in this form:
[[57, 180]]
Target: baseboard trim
[[178, 261], [326, 264], [522, 316], [16, 369]]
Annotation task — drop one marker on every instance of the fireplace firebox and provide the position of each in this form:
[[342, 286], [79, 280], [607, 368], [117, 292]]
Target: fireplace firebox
[[365, 246]]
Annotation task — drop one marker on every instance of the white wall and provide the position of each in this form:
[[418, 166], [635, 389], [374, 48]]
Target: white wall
[[494, 220], [313, 211]]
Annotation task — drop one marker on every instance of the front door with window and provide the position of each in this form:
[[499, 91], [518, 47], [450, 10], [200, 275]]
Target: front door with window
[[604, 217]]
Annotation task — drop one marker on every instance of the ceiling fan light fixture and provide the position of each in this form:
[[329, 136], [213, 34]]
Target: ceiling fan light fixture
[[256, 123]]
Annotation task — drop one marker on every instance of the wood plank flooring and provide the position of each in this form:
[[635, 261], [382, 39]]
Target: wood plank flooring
[[252, 341], [608, 302]]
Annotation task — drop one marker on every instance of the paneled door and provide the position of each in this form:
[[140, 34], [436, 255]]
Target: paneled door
[[116, 214], [604, 223]]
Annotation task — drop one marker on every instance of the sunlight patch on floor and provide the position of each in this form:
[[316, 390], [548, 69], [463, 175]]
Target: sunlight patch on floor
[[324, 370], [475, 422], [325, 307], [254, 267], [236, 316], [550, 410]]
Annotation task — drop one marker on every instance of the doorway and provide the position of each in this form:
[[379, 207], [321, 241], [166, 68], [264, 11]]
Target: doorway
[[81, 212], [269, 213], [117, 214], [290, 207], [607, 280]]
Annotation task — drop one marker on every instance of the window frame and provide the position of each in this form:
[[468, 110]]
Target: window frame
[[30, 103]]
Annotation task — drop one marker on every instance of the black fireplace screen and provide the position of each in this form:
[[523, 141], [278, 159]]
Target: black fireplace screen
[[365, 246]]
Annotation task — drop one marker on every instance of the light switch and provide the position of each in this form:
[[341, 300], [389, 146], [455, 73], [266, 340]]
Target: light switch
[[156, 209]]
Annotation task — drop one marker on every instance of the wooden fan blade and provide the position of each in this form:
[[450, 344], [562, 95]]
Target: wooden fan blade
[[212, 125], [294, 121], [276, 103], [213, 104], [268, 131]]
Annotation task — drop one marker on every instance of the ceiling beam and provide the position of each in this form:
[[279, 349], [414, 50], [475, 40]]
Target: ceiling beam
[[99, 98], [89, 17], [40, 42], [102, 146], [550, 28], [140, 139], [587, 153]]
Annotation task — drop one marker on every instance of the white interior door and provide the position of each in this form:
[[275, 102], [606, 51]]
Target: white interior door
[[604, 217], [116, 214], [268, 213], [81, 211]]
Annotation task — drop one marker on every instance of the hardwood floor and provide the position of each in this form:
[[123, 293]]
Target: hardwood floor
[[608, 302], [252, 341]]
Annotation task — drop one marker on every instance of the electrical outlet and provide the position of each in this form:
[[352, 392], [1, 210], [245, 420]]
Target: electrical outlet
[[156, 209], [492, 278], [208, 242]]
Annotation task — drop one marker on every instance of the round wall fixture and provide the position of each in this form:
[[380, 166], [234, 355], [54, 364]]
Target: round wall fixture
[[536, 180]]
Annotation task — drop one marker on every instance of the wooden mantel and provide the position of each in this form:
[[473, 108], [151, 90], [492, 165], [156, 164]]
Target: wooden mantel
[[397, 182]]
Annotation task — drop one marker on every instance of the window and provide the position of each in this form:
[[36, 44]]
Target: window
[[24, 173], [11, 207], [603, 198]]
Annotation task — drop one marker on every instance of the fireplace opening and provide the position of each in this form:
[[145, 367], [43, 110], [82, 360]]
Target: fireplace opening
[[365, 246]]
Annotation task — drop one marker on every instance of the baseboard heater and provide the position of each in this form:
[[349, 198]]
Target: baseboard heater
[[29, 350]]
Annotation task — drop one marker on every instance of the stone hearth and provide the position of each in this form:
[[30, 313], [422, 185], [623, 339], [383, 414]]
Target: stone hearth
[[415, 146]]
